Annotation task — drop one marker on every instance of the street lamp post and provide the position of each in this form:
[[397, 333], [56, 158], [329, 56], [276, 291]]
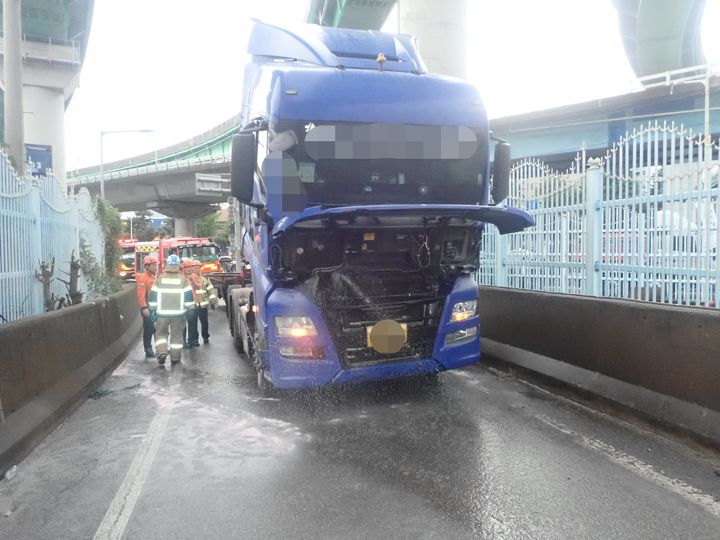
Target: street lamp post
[[102, 162]]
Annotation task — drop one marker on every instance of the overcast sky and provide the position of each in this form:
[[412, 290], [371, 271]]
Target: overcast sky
[[175, 66]]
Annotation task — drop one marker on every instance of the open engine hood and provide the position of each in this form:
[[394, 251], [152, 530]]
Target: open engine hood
[[506, 219]]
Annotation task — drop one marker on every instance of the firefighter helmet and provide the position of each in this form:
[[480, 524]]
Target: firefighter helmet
[[172, 260], [149, 260]]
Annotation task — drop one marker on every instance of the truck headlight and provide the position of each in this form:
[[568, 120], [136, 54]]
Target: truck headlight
[[462, 311], [294, 327]]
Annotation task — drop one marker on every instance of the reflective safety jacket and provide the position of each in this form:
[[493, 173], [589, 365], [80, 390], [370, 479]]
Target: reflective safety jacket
[[204, 292], [144, 284], [171, 295]]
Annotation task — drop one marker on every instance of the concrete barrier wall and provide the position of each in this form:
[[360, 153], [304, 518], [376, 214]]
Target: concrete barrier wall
[[49, 362], [674, 351], [39, 351]]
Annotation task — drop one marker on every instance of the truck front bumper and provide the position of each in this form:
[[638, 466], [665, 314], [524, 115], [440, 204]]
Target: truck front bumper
[[297, 373]]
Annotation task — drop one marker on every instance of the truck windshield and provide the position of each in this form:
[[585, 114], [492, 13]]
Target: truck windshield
[[199, 253], [392, 164]]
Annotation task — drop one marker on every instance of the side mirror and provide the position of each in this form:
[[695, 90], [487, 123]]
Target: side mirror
[[501, 172], [242, 166]]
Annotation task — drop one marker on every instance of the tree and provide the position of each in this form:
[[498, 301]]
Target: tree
[[167, 229], [212, 227], [112, 227], [100, 275], [141, 226]]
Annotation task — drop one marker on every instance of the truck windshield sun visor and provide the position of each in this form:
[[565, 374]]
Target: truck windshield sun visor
[[383, 141]]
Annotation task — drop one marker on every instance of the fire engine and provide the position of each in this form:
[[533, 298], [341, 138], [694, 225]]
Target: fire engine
[[197, 249], [126, 262]]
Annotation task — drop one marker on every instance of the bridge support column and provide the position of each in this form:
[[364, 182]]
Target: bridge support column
[[441, 30], [45, 123], [185, 226], [39, 79], [12, 58]]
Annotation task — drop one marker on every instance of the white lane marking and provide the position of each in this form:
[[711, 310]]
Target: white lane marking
[[640, 468], [122, 506]]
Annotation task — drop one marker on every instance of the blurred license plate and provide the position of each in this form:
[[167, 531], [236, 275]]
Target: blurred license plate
[[368, 329]]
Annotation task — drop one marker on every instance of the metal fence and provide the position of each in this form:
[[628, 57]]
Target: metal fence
[[639, 222], [39, 220]]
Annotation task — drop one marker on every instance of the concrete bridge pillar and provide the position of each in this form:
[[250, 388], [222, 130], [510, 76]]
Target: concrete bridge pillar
[[39, 78], [185, 226], [441, 29], [45, 123], [12, 71]]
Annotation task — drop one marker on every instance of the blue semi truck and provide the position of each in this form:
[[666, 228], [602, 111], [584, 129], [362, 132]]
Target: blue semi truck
[[361, 186]]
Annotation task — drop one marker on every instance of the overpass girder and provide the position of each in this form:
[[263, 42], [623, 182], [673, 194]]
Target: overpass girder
[[357, 14], [661, 35], [174, 195]]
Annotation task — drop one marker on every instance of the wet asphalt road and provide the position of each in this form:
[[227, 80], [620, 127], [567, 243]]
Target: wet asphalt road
[[196, 452]]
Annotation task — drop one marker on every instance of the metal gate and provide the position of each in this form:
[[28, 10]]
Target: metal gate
[[39, 220], [639, 222]]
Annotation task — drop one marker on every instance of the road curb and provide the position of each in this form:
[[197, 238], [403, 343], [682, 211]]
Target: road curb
[[698, 422]]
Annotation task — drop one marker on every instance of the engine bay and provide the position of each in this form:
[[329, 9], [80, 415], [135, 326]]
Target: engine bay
[[438, 250], [361, 275]]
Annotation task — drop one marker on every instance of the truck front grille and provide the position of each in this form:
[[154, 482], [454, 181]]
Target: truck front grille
[[348, 323]]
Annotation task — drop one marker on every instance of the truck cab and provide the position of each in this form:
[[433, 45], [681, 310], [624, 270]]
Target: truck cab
[[361, 190], [196, 249], [126, 261]]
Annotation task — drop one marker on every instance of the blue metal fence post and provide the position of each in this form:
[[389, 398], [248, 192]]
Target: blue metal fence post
[[36, 249], [564, 252], [501, 248], [593, 224]]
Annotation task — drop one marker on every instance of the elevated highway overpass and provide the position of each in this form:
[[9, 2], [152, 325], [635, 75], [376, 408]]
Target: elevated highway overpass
[[658, 35], [165, 180]]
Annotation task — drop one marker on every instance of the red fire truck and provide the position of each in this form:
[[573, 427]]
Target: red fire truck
[[197, 249], [126, 262]]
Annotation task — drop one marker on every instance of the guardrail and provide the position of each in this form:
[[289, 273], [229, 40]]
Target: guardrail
[[47, 49], [155, 168]]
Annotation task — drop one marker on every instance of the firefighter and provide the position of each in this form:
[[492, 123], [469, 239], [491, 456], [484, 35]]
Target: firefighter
[[205, 295], [190, 334], [171, 296], [144, 284]]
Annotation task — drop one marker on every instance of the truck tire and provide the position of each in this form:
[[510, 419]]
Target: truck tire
[[237, 334], [228, 296]]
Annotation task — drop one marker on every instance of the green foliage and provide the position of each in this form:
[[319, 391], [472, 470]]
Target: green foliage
[[99, 281], [112, 228], [167, 229], [212, 227], [141, 226]]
